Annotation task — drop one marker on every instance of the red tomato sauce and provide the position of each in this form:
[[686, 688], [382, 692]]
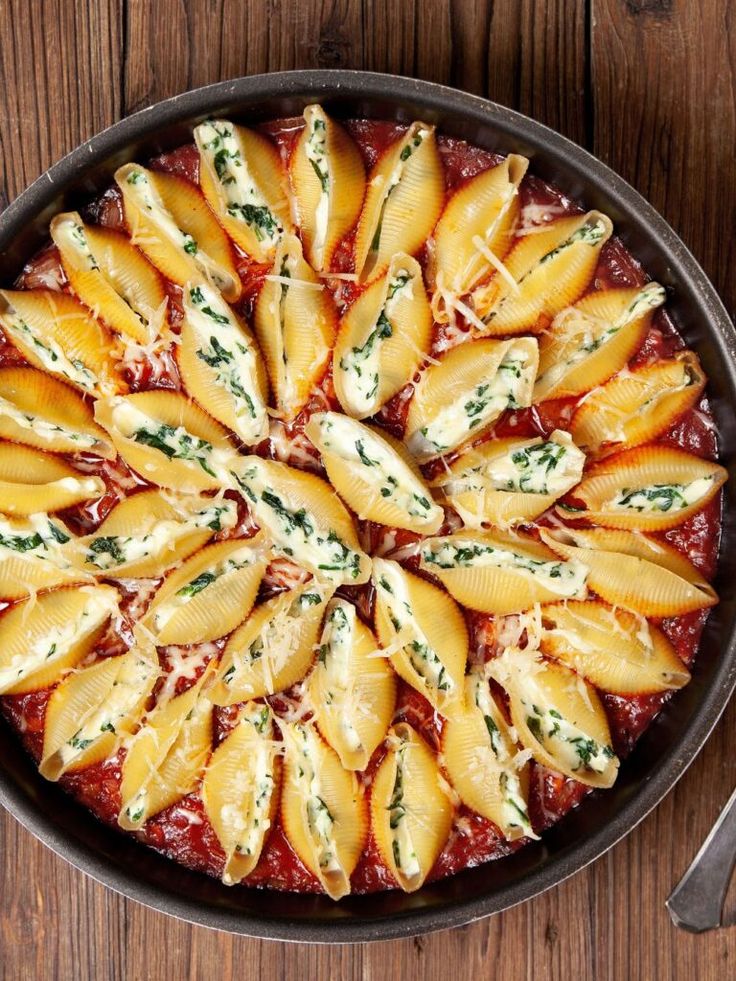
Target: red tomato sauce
[[183, 831]]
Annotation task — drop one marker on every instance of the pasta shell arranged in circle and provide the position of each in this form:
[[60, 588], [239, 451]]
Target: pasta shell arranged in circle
[[411, 811], [594, 339], [243, 181], [322, 808], [404, 199], [383, 339], [33, 556], [632, 570], [221, 365], [295, 321], [328, 181], [39, 410], [274, 648], [111, 277], [240, 790], [649, 488], [614, 649], [558, 716], [170, 222], [501, 572], [483, 762], [373, 473], [636, 406], [352, 687], [542, 274], [504, 482], [92, 710], [166, 757], [476, 230], [43, 637], [32, 481], [304, 518], [459, 397], [150, 531], [209, 594], [55, 333], [422, 631], [168, 440]]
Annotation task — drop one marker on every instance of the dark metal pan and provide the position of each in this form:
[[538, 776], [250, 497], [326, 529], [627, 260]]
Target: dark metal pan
[[669, 744]]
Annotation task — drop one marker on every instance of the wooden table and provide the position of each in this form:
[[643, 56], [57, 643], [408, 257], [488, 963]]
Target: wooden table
[[649, 86]]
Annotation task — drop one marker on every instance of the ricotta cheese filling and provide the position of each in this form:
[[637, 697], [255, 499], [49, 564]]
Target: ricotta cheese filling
[[660, 498]]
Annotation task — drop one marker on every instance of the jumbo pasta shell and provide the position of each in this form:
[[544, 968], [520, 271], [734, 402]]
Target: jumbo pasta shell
[[352, 690], [649, 488], [483, 212], [43, 637], [54, 332], [39, 410], [92, 710], [168, 440], [616, 650], [383, 339], [459, 397], [304, 518], [404, 198], [209, 594], [631, 570], [591, 341], [484, 763], [32, 481], [274, 648], [295, 321], [557, 716], [148, 532], [242, 179], [504, 482], [374, 474], [422, 631], [240, 790], [322, 809], [33, 557], [636, 406], [111, 277], [501, 573], [221, 365], [543, 274], [166, 757], [411, 813], [328, 181], [170, 222]]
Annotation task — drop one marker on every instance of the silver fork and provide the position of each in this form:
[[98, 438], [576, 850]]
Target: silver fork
[[696, 904]]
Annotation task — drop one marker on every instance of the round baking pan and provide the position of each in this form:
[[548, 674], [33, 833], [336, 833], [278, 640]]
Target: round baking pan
[[669, 744]]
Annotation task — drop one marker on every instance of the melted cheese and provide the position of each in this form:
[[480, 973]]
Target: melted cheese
[[660, 498]]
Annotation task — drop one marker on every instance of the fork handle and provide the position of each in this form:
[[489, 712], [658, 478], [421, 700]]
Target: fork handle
[[697, 901]]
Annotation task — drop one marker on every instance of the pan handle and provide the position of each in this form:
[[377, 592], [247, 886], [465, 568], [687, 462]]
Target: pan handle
[[697, 901]]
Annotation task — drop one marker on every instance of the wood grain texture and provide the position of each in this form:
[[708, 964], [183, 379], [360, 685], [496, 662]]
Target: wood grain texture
[[649, 86]]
